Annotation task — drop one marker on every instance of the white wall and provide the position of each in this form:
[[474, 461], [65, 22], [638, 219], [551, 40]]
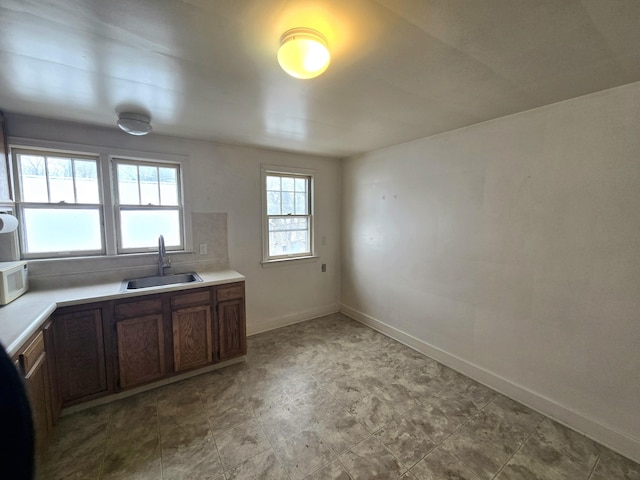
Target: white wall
[[226, 179], [511, 251]]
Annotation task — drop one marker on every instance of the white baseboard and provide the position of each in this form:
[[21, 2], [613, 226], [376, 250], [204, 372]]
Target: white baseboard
[[255, 328], [603, 434]]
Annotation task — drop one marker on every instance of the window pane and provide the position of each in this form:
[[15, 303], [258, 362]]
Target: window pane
[[288, 236], [141, 228], [168, 186], [273, 203], [61, 230], [301, 184], [33, 178], [60, 180], [87, 189], [301, 204], [149, 193], [289, 223], [128, 185], [287, 184], [273, 183], [287, 203]]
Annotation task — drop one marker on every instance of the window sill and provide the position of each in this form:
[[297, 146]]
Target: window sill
[[289, 261]]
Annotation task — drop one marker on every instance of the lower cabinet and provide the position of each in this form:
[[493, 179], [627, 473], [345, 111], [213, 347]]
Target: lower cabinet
[[81, 361], [230, 318], [140, 350], [88, 351], [34, 363], [139, 326], [191, 328], [192, 342]]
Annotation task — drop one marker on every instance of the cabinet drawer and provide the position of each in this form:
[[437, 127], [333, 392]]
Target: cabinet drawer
[[138, 308], [228, 293], [32, 353], [200, 297]]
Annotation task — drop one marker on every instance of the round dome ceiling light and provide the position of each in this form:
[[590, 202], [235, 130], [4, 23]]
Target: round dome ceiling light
[[303, 53], [134, 123]]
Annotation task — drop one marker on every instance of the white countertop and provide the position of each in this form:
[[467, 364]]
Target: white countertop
[[22, 317]]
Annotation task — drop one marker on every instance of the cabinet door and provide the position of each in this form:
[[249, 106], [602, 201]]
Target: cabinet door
[[140, 350], [37, 385], [54, 393], [231, 328], [34, 364], [192, 337], [80, 355]]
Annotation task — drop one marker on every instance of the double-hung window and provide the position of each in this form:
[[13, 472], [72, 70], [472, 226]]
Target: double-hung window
[[148, 204], [74, 204], [288, 216], [60, 203]]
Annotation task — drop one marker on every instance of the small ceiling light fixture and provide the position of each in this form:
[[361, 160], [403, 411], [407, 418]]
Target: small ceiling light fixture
[[303, 53], [134, 123]]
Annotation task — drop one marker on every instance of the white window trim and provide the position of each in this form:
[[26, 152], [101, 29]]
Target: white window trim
[[105, 166], [113, 160], [278, 169], [21, 203]]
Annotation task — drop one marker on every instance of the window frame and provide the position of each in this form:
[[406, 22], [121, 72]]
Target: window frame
[[22, 205], [269, 170], [105, 153], [118, 208]]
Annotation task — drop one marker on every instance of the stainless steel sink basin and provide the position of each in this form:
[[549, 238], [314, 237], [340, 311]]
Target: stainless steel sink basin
[[159, 281]]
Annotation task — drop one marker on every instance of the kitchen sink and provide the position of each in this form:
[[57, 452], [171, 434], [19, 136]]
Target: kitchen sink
[[160, 280]]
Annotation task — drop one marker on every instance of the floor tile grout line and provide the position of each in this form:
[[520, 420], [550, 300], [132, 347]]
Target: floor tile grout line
[[106, 439], [595, 465], [533, 430], [158, 431], [215, 444], [444, 439], [273, 448]]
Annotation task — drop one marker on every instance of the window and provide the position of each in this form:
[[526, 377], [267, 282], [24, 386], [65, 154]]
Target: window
[[288, 217], [147, 205], [74, 204], [60, 203]]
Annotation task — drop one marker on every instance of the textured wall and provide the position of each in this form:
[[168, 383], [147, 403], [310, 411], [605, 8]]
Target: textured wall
[[513, 247]]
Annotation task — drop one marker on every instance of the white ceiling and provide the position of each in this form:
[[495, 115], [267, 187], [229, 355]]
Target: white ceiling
[[400, 69]]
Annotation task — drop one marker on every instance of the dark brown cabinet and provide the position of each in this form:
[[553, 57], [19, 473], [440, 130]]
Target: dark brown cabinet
[[231, 322], [80, 358], [191, 324], [33, 361], [140, 341], [88, 351], [111, 346]]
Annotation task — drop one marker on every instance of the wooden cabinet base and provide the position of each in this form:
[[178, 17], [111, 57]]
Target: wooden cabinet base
[[192, 343], [140, 350]]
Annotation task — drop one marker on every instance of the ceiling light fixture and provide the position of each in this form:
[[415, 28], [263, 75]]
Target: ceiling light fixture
[[303, 53], [134, 123]]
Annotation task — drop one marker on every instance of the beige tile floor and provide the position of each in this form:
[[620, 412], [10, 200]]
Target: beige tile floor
[[325, 399]]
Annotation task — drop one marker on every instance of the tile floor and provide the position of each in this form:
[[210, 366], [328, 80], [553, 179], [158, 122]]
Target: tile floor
[[325, 399]]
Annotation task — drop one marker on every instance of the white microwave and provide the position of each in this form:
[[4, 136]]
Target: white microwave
[[14, 280]]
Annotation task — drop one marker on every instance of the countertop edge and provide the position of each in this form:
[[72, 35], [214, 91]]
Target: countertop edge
[[39, 305]]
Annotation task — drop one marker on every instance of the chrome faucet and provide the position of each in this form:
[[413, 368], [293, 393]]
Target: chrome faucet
[[163, 260]]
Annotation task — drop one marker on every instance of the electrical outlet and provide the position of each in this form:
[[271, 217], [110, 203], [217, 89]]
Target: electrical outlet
[[203, 249], [324, 267]]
